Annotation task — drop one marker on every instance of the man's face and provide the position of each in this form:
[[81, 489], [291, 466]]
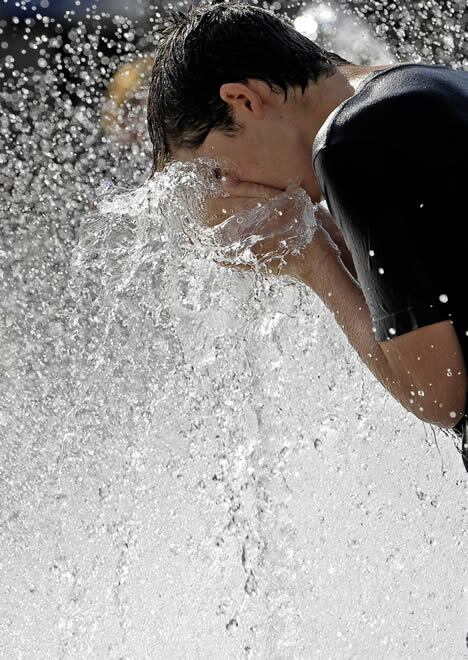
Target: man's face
[[270, 147]]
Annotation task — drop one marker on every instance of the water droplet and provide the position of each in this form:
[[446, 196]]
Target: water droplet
[[381, 271], [231, 624], [443, 298]]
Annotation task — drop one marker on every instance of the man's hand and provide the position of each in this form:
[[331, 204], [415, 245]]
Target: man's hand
[[279, 232], [243, 195]]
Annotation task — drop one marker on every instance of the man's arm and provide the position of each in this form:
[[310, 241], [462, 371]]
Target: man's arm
[[423, 369], [337, 237]]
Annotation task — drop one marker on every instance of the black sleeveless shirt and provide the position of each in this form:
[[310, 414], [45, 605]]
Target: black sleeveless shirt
[[392, 163]]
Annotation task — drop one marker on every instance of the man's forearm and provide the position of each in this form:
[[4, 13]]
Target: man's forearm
[[424, 370], [342, 294]]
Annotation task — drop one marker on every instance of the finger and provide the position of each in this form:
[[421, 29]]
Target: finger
[[249, 189], [219, 209]]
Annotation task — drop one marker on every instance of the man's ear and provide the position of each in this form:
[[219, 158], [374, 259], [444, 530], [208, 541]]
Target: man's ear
[[243, 100]]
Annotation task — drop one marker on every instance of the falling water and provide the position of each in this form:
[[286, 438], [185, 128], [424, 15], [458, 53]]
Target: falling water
[[195, 464]]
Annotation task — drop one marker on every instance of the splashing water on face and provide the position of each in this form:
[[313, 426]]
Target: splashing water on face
[[194, 461]]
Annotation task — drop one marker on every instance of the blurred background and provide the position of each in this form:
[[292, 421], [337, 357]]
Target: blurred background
[[48, 28], [65, 35]]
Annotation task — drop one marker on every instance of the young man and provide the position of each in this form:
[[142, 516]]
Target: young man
[[385, 146]]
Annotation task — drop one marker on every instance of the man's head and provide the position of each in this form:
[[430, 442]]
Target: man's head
[[228, 83]]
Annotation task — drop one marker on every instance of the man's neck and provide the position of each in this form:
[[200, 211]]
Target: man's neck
[[320, 100], [356, 74], [329, 93]]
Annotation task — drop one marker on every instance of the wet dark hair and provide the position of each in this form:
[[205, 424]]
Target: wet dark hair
[[212, 44]]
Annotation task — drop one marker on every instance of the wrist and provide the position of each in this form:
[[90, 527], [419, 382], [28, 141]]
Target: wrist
[[315, 259]]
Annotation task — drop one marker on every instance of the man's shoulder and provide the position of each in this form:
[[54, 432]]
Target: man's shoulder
[[395, 102]]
